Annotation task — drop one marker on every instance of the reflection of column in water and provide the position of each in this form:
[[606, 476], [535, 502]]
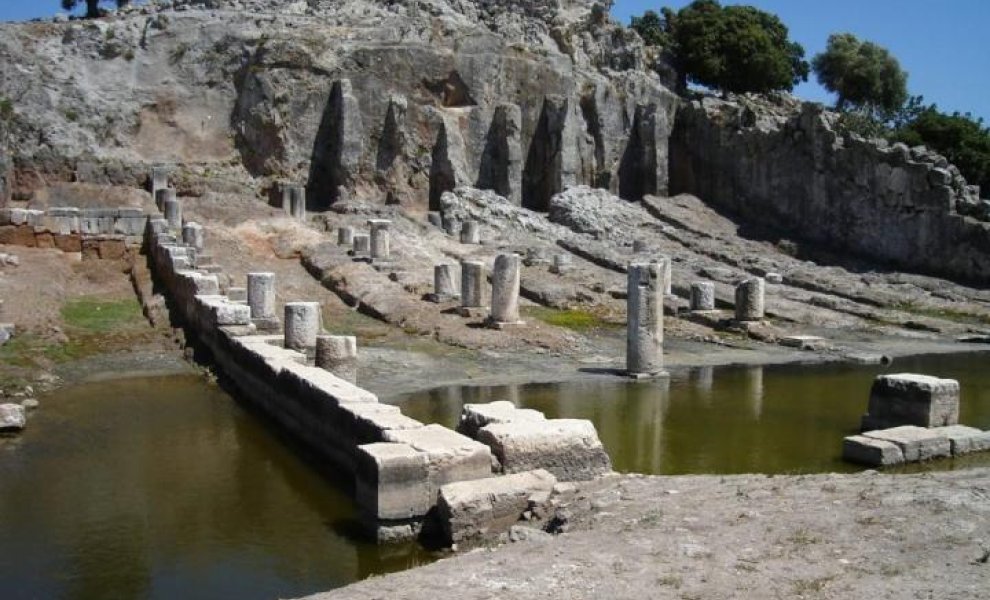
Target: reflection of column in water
[[704, 377], [754, 390], [449, 410], [510, 393], [656, 424]]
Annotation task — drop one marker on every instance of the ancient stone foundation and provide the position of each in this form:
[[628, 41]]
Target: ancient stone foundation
[[98, 233], [912, 418]]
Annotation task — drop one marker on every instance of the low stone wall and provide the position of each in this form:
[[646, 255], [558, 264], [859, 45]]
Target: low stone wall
[[95, 232], [400, 465], [786, 167]]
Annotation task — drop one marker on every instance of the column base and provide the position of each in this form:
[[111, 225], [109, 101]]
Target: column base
[[500, 325], [473, 312], [647, 376], [442, 298], [267, 323]]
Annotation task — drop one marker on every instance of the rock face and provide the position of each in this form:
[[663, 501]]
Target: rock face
[[401, 100], [786, 166]]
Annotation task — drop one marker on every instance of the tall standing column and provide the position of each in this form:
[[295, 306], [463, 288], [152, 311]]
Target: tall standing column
[[505, 290], [302, 325], [159, 181], [173, 210], [665, 275], [379, 239], [297, 196], [644, 336], [749, 300], [261, 295], [286, 191], [338, 354], [472, 286]]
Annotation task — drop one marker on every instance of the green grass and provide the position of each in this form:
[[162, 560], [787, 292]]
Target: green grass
[[948, 314], [93, 315], [575, 319]]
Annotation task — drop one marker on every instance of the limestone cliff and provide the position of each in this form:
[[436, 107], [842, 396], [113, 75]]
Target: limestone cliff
[[784, 165], [398, 100]]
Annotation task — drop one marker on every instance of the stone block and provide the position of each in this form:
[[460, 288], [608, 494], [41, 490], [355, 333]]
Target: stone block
[[568, 448], [17, 235], [112, 249], [367, 423], [452, 456], [476, 416], [44, 240], [963, 439], [917, 443], [12, 417], [391, 481], [69, 243], [482, 507], [910, 399], [871, 452]]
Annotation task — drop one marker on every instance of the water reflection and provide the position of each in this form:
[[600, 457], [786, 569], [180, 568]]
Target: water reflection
[[726, 420], [154, 487]]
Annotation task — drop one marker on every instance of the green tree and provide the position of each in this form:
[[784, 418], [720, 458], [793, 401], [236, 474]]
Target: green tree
[[963, 140], [734, 48], [863, 75], [652, 28], [92, 6]]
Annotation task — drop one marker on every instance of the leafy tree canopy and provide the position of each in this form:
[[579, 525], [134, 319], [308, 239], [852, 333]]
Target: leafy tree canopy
[[863, 75], [92, 6], [732, 48], [963, 140]]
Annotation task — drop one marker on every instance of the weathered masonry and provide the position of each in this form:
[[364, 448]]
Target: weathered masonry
[[95, 232], [399, 465]]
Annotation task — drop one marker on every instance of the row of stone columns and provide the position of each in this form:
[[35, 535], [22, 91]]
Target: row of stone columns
[[504, 309], [750, 298], [469, 232], [303, 328], [375, 245]]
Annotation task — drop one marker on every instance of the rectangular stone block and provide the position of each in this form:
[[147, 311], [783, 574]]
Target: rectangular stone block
[[17, 235], [482, 507], [391, 481], [568, 448], [130, 225], [69, 243], [917, 443], [366, 423], [476, 416], [963, 439], [452, 456], [910, 399], [871, 452]]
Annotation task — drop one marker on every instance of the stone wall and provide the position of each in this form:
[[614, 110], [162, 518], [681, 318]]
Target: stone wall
[[785, 167], [105, 233]]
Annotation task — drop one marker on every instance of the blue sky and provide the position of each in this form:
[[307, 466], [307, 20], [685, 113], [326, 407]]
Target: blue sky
[[940, 44]]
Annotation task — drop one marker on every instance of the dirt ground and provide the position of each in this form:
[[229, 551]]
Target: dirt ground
[[691, 537]]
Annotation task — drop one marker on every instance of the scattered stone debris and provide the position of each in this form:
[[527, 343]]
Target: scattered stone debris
[[12, 418]]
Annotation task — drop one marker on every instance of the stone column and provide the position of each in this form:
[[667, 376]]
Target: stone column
[[362, 244], [345, 236], [302, 325], [470, 233], [161, 194], [702, 295], [665, 275], [261, 295], [173, 211], [193, 235], [639, 246], [435, 218], [338, 354], [749, 300], [472, 285], [505, 290], [644, 335], [379, 238], [297, 195], [561, 263], [444, 287], [286, 191], [451, 225], [159, 181]]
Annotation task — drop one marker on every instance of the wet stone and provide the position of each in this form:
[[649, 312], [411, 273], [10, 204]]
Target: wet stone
[[917, 443]]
